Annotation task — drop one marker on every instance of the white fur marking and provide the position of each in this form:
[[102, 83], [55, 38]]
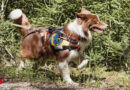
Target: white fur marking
[[15, 14], [84, 44], [63, 66], [21, 64], [103, 26], [83, 63], [90, 36], [73, 54], [97, 17], [76, 28]]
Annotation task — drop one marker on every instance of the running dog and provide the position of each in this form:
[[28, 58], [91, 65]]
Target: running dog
[[64, 44]]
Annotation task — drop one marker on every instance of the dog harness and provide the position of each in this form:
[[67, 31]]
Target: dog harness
[[59, 40]]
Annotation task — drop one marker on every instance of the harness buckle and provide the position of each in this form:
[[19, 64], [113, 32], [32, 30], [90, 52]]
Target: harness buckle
[[51, 29]]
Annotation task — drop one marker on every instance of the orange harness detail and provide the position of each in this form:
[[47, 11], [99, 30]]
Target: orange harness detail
[[45, 37]]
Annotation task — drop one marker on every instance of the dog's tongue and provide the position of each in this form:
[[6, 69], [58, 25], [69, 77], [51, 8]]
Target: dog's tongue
[[97, 30]]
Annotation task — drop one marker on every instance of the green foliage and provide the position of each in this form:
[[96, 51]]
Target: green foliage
[[112, 49]]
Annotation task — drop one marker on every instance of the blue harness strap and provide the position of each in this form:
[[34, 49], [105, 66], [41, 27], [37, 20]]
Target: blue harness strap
[[58, 43], [56, 39]]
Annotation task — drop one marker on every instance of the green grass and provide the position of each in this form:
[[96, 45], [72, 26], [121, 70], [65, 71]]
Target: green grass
[[92, 77]]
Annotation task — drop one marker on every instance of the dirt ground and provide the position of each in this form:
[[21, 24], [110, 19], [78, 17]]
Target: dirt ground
[[37, 86], [47, 86]]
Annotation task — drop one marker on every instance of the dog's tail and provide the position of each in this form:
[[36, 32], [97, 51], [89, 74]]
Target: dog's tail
[[20, 18]]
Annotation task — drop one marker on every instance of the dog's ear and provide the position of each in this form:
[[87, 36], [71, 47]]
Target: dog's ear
[[81, 16], [87, 16], [84, 11], [92, 17]]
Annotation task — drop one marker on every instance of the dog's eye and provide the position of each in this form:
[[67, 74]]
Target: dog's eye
[[90, 25], [96, 22]]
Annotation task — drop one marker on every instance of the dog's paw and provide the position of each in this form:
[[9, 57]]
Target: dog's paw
[[72, 83], [20, 68], [75, 84]]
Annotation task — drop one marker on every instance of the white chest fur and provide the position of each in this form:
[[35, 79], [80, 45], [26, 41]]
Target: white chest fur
[[83, 44], [77, 29]]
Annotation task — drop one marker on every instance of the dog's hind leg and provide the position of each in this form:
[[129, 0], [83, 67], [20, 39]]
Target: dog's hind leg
[[24, 54], [22, 64]]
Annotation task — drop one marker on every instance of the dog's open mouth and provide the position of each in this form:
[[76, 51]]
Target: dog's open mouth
[[97, 29]]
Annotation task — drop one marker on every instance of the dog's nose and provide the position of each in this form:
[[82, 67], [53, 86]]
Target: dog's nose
[[106, 25]]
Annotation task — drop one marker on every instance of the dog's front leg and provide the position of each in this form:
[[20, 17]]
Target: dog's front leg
[[82, 64], [64, 69]]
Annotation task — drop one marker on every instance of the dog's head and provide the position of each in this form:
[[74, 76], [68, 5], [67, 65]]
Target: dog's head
[[90, 21]]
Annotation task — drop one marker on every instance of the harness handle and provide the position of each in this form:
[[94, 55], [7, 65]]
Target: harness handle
[[51, 29]]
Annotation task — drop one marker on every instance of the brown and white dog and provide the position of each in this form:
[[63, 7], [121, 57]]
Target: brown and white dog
[[80, 29]]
